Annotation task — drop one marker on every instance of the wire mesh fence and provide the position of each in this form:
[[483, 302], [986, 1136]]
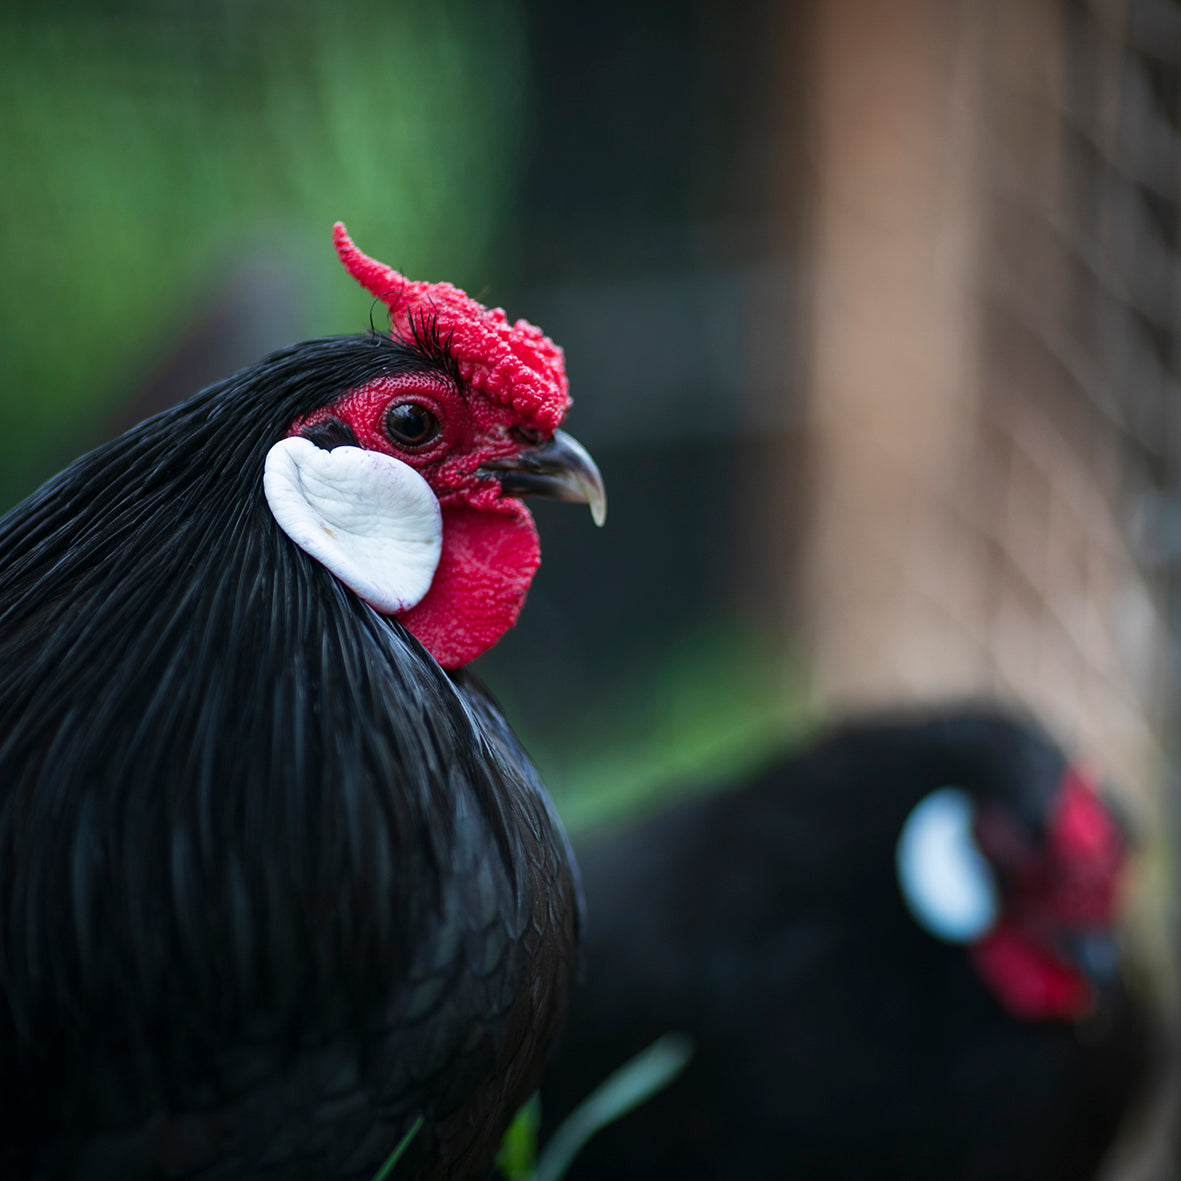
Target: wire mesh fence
[[994, 422], [994, 416]]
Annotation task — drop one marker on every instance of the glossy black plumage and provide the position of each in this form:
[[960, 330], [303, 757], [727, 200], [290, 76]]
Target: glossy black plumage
[[272, 884], [835, 1038]]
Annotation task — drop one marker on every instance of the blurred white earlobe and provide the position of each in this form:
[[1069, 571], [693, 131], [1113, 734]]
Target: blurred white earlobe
[[945, 879]]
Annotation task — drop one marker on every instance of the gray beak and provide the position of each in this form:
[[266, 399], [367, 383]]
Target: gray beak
[[558, 469], [1097, 955]]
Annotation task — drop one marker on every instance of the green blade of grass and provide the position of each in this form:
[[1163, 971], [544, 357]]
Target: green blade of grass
[[517, 1157], [395, 1156], [633, 1083]]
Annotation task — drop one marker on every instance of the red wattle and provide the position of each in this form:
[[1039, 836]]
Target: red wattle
[[487, 562], [1029, 982]]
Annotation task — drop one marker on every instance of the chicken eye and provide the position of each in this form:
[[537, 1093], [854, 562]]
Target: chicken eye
[[410, 424]]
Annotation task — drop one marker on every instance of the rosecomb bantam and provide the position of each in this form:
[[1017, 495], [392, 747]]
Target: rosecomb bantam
[[277, 880], [894, 952]]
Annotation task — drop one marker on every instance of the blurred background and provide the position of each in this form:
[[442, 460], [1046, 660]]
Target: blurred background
[[871, 315]]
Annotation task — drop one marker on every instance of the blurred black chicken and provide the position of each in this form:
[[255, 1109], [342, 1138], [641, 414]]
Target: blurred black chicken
[[894, 952], [275, 885]]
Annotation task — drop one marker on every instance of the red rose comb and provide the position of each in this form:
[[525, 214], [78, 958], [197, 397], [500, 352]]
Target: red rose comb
[[515, 364]]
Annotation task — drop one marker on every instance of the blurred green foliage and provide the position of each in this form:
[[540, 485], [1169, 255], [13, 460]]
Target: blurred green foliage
[[145, 145], [517, 1157], [707, 711]]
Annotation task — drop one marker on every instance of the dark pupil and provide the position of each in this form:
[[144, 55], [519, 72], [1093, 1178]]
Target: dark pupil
[[411, 424]]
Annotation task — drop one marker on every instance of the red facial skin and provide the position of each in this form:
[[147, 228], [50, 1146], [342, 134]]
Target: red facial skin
[[490, 546], [1067, 885], [514, 393]]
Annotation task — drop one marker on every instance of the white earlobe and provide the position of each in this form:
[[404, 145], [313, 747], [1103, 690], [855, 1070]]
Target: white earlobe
[[369, 518], [945, 879]]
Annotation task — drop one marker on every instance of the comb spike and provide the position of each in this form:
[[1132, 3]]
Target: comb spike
[[380, 281], [514, 364]]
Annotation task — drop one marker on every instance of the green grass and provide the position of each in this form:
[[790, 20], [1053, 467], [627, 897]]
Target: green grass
[[386, 1169], [634, 1083], [625, 1089]]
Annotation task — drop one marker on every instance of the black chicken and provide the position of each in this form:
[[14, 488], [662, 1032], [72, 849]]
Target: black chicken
[[274, 884], [787, 927]]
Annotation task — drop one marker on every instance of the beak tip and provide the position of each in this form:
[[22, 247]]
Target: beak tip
[[558, 468]]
